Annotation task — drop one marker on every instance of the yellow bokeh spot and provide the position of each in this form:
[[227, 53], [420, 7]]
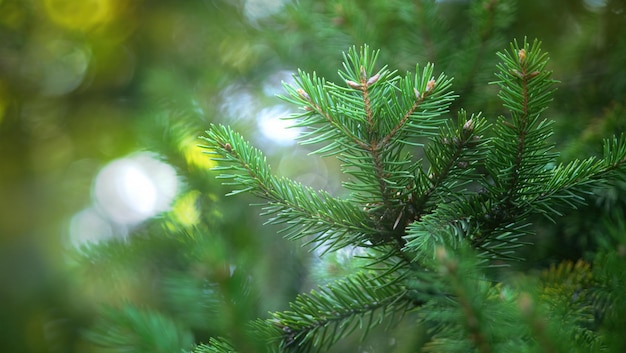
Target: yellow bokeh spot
[[185, 212], [81, 14], [195, 155]]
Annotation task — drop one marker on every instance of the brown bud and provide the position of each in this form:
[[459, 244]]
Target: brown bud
[[521, 54], [353, 84], [303, 94], [430, 85], [228, 147], [532, 74], [517, 73], [363, 73], [373, 79], [468, 126], [418, 95]]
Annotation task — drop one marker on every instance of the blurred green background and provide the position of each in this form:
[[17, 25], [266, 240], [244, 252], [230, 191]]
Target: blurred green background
[[101, 104]]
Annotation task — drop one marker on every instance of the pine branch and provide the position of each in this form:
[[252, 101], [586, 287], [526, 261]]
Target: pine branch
[[329, 221], [215, 345], [132, 330], [522, 185], [319, 319], [525, 89], [454, 157], [368, 121], [474, 200], [467, 301], [476, 315], [568, 184]]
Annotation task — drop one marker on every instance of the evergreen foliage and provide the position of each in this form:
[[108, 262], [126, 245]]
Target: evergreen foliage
[[133, 332], [151, 76], [438, 205]]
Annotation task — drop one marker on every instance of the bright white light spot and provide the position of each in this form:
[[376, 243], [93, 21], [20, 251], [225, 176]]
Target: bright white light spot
[[275, 127], [273, 84], [132, 189], [89, 226], [138, 190]]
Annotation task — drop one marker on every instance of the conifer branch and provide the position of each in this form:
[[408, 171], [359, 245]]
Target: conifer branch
[[475, 198], [316, 109], [454, 156], [331, 222], [450, 267], [526, 90], [318, 319], [475, 314], [568, 184], [215, 345]]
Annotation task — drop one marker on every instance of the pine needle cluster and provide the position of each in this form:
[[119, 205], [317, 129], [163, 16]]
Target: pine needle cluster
[[436, 202]]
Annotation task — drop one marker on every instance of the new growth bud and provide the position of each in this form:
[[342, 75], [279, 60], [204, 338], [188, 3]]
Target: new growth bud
[[430, 85], [373, 79], [468, 126], [303, 94], [418, 95], [521, 54], [363, 73], [353, 84]]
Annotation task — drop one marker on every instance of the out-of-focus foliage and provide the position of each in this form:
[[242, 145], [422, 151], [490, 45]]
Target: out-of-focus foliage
[[85, 82]]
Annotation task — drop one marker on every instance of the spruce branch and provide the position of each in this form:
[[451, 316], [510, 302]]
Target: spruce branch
[[215, 345], [526, 90], [466, 299], [472, 195], [520, 181], [454, 156], [367, 121], [130, 329], [319, 319], [476, 315], [331, 222]]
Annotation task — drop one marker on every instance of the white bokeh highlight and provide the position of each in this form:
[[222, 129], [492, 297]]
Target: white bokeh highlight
[[132, 189], [126, 192], [274, 125]]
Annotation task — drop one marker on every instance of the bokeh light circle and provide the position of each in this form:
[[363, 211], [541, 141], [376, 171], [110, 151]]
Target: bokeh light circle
[[80, 14], [132, 189]]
